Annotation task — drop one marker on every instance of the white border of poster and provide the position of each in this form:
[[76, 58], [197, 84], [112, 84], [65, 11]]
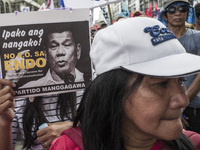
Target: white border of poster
[[88, 3]]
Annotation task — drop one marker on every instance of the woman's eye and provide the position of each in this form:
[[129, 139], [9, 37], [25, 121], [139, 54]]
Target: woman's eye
[[181, 81], [163, 84]]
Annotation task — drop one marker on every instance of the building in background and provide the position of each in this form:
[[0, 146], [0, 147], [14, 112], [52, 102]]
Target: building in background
[[138, 5], [10, 6], [24, 5], [116, 9], [5, 6], [134, 5]]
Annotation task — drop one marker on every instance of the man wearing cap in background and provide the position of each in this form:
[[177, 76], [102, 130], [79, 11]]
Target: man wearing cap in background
[[197, 10], [174, 15]]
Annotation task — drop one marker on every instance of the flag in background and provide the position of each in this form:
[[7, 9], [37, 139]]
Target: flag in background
[[106, 14], [150, 10], [131, 15], [50, 4], [156, 10], [125, 11], [156, 6]]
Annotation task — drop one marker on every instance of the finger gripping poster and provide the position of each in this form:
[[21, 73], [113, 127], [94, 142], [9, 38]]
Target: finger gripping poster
[[46, 56]]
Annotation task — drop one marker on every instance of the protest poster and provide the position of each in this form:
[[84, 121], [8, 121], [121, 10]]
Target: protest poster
[[46, 52], [88, 3]]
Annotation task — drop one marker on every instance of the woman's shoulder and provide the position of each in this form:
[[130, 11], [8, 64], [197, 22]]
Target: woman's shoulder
[[63, 142], [194, 137], [66, 142]]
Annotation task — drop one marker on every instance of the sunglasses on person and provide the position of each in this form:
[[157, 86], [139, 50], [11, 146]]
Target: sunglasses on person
[[181, 8]]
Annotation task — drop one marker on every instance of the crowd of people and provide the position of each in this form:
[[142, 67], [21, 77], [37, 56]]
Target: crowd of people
[[144, 96]]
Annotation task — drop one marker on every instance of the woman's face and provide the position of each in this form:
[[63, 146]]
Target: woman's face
[[154, 110]]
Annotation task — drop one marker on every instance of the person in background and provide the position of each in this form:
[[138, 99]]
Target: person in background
[[137, 13], [6, 113], [103, 25], [174, 15], [138, 97], [63, 50], [57, 110], [197, 12], [119, 18]]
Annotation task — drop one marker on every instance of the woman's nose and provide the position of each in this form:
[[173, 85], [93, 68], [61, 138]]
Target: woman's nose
[[178, 98]]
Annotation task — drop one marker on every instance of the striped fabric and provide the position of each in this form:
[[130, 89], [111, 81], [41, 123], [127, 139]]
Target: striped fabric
[[49, 103]]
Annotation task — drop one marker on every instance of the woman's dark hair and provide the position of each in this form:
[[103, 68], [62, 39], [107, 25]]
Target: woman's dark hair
[[104, 99], [101, 110], [34, 114]]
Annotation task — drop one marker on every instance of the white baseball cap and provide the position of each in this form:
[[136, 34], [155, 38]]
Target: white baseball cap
[[141, 45], [169, 2]]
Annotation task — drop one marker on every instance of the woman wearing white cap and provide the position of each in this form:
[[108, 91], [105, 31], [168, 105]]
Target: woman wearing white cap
[[138, 96], [137, 99]]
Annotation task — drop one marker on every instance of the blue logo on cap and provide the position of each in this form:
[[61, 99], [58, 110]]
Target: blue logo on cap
[[159, 34]]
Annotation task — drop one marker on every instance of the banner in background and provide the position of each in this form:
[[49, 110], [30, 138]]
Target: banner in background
[[150, 10], [35, 58], [125, 12], [50, 4], [106, 14], [88, 3]]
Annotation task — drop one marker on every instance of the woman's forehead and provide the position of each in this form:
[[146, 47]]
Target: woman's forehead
[[153, 78]]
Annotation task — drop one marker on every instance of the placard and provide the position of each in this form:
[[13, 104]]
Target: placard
[[46, 52]]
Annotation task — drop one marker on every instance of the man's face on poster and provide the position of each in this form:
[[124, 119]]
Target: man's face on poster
[[62, 53]]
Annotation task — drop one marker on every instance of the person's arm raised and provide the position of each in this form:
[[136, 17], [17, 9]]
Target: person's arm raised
[[6, 113]]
